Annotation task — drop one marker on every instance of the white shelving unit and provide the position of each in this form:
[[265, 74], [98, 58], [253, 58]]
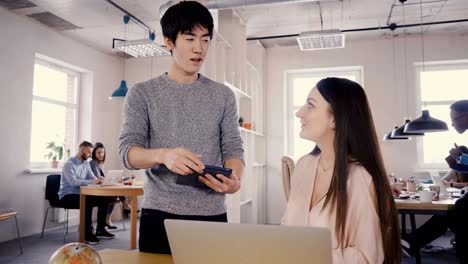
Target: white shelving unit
[[238, 64]]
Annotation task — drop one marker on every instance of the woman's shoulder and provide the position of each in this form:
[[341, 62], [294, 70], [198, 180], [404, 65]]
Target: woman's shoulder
[[358, 175], [304, 166], [93, 163], [306, 159]]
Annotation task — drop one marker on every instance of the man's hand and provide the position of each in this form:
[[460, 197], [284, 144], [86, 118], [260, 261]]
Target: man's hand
[[182, 161], [226, 185], [455, 152], [98, 180]]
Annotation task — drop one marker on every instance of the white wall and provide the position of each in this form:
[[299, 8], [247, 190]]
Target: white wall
[[20, 40], [376, 57]]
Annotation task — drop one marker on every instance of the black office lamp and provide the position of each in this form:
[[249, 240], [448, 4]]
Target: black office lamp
[[425, 123], [400, 133], [388, 136]]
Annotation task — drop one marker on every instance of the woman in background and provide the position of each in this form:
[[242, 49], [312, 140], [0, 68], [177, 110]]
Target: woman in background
[[342, 184], [98, 158]]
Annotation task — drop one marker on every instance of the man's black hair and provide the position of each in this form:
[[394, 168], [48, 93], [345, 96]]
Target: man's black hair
[[86, 144], [184, 17], [460, 106]]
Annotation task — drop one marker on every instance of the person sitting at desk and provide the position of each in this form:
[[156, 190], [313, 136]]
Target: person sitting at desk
[[342, 184], [454, 178], [76, 172], [98, 158], [456, 219]]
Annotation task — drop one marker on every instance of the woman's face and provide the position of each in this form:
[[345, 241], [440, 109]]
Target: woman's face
[[100, 152], [317, 121]]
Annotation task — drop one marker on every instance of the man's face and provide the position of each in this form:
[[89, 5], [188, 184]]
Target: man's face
[[190, 49], [459, 121], [85, 152]]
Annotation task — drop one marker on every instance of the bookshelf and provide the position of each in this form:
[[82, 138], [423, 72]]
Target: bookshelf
[[238, 64]]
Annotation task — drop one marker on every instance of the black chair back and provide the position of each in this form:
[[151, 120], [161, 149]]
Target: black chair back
[[51, 190]]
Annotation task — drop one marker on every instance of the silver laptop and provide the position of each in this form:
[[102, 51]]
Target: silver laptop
[[211, 242], [112, 177]]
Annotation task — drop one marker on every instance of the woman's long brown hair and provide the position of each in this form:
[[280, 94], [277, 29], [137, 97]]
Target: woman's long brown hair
[[355, 139]]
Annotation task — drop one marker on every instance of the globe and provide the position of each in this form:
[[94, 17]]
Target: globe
[[75, 253]]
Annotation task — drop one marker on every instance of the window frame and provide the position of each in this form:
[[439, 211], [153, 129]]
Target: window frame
[[291, 109], [62, 67], [434, 66]]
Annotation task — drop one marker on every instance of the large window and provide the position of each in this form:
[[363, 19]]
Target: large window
[[299, 84], [440, 85], [54, 110]]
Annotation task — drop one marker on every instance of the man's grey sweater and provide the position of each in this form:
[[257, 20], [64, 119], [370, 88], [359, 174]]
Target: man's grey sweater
[[201, 117]]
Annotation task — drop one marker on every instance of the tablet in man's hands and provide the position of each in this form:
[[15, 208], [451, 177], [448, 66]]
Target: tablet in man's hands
[[192, 179]]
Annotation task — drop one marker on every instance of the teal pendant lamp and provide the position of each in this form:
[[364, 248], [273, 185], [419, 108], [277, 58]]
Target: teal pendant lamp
[[425, 123], [122, 90]]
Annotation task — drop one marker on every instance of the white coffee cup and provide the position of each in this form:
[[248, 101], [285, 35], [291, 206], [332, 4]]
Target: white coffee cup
[[426, 196]]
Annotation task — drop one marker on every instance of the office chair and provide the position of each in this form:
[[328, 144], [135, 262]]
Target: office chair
[[51, 194], [7, 214], [287, 165]]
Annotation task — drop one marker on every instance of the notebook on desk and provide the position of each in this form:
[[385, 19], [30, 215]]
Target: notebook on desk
[[214, 243]]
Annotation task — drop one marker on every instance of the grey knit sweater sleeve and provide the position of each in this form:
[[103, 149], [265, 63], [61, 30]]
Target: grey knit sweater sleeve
[[201, 117]]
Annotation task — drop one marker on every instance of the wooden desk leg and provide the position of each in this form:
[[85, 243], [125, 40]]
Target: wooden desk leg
[[82, 217], [133, 224], [417, 254]]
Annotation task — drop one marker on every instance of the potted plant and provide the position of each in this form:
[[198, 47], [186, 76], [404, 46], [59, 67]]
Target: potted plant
[[241, 121], [55, 153]]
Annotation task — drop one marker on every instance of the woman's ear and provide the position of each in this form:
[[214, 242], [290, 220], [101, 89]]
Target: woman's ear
[[332, 124]]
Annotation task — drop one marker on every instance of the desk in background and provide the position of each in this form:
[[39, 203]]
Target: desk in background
[[413, 207], [132, 191], [117, 256]]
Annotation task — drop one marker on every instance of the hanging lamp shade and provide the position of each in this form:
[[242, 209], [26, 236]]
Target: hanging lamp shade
[[400, 133], [388, 136], [425, 123], [120, 92]]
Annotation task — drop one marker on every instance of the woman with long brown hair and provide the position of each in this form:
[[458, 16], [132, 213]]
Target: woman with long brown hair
[[342, 184]]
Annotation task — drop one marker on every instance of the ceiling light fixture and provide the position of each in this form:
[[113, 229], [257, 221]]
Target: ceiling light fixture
[[322, 39], [138, 48], [142, 48], [425, 123], [388, 136], [393, 135], [121, 92]]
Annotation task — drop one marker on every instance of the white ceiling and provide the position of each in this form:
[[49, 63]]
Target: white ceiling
[[99, 22]]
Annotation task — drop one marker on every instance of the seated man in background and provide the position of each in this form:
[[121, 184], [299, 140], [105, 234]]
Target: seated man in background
[[76, 172], [456, 220], [455, 178]]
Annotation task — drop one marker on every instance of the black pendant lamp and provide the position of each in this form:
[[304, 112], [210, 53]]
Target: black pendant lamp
[[388, 136], [400, 133], [425, 123]]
